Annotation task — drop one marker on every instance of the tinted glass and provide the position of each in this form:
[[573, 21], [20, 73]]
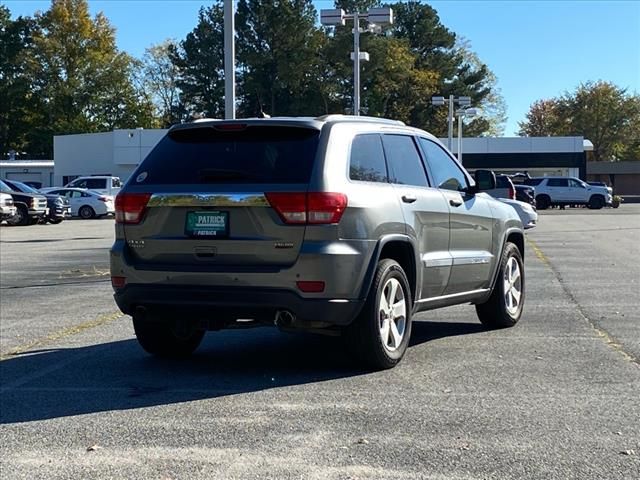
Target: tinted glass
[[576, 183], [445, 170], [405, 165], [115, 183], [533, 181], [23, 187], [4, 187], [96, 183], [502, 182], [557, 182], [367, 162], [253, 155]]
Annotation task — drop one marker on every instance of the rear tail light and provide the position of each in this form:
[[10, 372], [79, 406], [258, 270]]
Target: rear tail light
[[512, 192], [318, 208], [231, 127], [118, 282], [130, 207]]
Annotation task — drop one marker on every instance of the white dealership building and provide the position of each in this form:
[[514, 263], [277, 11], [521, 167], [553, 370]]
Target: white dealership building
[[120, 151]]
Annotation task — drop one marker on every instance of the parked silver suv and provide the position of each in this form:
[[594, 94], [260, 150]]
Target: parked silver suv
[[337, 225]]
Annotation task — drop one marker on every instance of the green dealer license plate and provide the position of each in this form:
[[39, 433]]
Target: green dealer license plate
[[207, 224]]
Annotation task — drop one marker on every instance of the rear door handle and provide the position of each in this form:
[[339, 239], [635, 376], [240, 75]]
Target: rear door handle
[[409, 198], [455, 203]]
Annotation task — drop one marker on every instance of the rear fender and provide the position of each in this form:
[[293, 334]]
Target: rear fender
[[375, 258]]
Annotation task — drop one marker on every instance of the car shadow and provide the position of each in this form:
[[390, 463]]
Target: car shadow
[[54, 383]]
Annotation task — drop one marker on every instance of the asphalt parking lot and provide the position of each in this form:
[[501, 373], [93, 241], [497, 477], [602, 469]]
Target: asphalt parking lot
[[556, 397]]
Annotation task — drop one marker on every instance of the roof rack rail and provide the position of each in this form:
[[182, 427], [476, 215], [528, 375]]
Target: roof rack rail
[[360, 118]]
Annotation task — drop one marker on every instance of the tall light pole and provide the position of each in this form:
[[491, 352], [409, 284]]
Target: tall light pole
[[468, 112], [229, 61], [375, 16], [453, 100]]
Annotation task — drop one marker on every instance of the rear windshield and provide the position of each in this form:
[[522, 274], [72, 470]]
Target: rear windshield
[[253, 155]]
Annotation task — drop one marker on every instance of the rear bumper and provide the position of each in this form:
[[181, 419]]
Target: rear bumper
[[226, 304]]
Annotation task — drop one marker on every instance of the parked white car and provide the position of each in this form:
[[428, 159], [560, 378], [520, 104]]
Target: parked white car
[[7, 208], [568, 191], [105, 184], [85, 203], [527, 214]]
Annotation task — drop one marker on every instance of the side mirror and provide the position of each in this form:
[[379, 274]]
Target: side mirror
[[485, 180]]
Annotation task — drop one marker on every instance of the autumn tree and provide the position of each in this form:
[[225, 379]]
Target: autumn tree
[[159, 79], [602, 112], [83, 83]]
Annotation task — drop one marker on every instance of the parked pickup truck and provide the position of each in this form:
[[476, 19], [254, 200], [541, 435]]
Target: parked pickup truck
[[30, 207], [58, 205]]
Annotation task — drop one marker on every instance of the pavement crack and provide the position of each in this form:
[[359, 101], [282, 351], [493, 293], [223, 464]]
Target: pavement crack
[[66, 332], [600, 332]]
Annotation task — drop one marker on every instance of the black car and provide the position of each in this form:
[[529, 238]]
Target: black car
[[526, 193], [58, 206]]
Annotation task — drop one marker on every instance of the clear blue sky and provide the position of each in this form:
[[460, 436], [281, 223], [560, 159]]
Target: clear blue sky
[[537, 49]]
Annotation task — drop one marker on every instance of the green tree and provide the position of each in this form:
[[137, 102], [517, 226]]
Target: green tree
[[600, 111], [278, 54], [459, 70], [17, 104], [82, 81], [199, 60]]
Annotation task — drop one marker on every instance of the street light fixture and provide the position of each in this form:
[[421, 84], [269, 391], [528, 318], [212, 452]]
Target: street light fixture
[[462, 113], [375, 16], [452, 100]]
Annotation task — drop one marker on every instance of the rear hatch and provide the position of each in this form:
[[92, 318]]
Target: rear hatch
[[224, 196]]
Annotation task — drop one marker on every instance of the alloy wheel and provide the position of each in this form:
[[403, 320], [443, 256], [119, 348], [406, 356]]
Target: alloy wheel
[[512, 286], [392, 314]]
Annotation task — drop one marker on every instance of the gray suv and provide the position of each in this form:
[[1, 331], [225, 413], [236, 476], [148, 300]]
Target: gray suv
[[338, 225]]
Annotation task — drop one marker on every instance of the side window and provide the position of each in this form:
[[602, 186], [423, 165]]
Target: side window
[[366, 162], [115, 183], [96, 183], [575, 184], [558, 182], [533, 181], [446, 172], [405, 165], [79, 184]]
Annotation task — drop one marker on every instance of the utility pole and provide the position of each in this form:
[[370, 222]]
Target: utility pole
[[229, 61], [375, 16]]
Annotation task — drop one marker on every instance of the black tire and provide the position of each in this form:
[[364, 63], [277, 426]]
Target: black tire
[[596, 202], [55, 221], [495, 313], [364, 335], [33, 221], [163, 339], [543, 202], [86, 212], [21, 217]]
